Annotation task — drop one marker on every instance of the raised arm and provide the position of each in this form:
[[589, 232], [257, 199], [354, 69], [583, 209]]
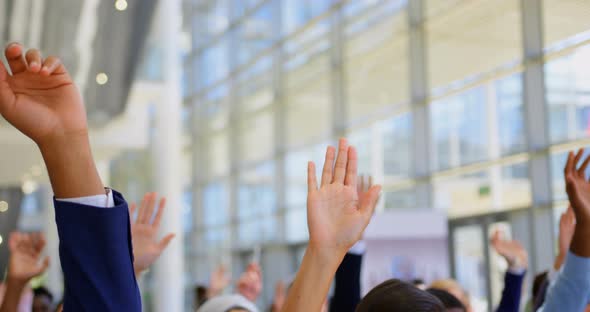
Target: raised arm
[[517, 258], [336, 219], [567, 226], [40, 100], [26, 261], [571, 290]]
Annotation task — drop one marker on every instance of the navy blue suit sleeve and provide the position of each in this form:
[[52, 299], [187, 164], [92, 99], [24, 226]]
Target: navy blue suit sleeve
[[97, 257], [512, 293], [347, 285]]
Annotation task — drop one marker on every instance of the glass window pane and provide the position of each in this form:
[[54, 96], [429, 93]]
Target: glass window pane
[[255, 34], [297, 225], [397, 137], [256, 137], [510, 114], [296, 13], [376, 64], [216, 204], [492, 189], [296, 173], [459, 129], [401, 199], [218, 155], [558, 161], [470, 264], [309, 101], [470, 37], [215, 63], [255, 86], [567, 82], [256, 192], [564, 19]]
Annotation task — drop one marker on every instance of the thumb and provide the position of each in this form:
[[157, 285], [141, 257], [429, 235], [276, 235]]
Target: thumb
[[6, 95], [165, 241], [370, 199]]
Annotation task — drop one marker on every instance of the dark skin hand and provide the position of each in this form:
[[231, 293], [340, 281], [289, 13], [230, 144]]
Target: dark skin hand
[[578, 191]]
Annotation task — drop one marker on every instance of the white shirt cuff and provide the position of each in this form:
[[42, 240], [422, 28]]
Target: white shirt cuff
[[99, 201]]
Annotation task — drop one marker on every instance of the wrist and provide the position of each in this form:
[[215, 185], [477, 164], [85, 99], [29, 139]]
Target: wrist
[[16, 283], [70, 165], [580, 242]]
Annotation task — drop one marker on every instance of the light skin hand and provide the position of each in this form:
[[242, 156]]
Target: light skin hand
[[147, 248], [578, 191], [336, 218], [250, 283], [511, 250], [26, 261], [219, 280], [40, 99]]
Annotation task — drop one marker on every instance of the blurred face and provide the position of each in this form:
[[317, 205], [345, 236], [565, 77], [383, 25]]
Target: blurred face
[[41, 304]]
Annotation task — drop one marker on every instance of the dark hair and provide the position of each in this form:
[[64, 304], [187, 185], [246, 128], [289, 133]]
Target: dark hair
[[398, 296], [42, 291], [540, 286], [418, 281], [448, 300]]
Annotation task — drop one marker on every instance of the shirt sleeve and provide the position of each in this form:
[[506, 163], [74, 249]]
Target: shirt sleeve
[[571, 289], [100, 201], [512, 293], [97, 257]]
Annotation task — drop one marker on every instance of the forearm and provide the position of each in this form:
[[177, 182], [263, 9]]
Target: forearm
[[71, 167], [14, 290], [580, 245], [312, 283]]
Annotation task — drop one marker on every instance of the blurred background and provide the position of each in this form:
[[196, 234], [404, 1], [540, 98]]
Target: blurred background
[[460, 108]]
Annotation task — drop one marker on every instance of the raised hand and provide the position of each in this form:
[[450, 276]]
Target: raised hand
[[279, 298], [144, 231], [39, 98], [567, 227], [26, 260], [219, 280], [514, 253], [578, 191], [337, 214], [249, 284]]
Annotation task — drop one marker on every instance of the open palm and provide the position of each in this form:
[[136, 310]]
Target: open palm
[[144, 233], [336, 216], [39, 97], [25, 256], [511, 250], [577, 186]]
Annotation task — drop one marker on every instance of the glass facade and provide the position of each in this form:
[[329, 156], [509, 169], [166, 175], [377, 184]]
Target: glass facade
[[272, 82]]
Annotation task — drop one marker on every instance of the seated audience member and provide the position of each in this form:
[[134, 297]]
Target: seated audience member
[[40, 99], [336, 218], [517, 258], [26, 261], [228, 303], [450, 302], [451, 286], [397, 296], [42, 300], [571, 289]]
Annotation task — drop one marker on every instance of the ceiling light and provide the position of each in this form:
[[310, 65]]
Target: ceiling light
[[121, 5], [102, 79], [3, 206]]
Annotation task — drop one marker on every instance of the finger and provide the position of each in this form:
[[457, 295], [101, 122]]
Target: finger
[[577, 158], [351, 167], [370, 182], [132, 209], [150, 208], [52, 65], [360, 185], [312, 183], [145, 203], [34, 60], [569, 165], [341, 162], [582, 170], [328, 166], [369, 200], [160, 212], [166, 241], [16, 60]]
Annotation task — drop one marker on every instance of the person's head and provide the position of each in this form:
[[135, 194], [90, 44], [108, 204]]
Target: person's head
[[397, 296], [200, 295], [228, 303], [451, 286], [419, 283], [42, 300], [540, 284], [451, 303]]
